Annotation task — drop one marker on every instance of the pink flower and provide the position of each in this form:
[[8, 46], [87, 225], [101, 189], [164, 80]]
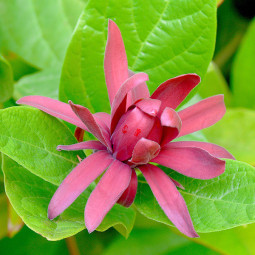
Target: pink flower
[[140, 129]]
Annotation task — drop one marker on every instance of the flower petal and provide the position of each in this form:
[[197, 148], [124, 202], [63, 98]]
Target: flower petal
[[190, 161], [172, 92], [169, 199], [139, 92], [106, 194], [103, 119], [202, 114], [119, 103], [53, 107], [215, 150], [149, 106], [171, 123], [156, 131], [133, 125], [79, 134], [115, 61], [88, 119], [144, 151], [128, 197], [94, 145], [77, 181]]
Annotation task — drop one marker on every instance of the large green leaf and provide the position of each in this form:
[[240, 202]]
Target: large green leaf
[[30, 243], [30, 137], [38, 31], [237, 241], [155, 241], [235, 132], [243, 81], [3, 215], [44, 83], [173, 38], [215, 83], [217, 204], [6, 80]]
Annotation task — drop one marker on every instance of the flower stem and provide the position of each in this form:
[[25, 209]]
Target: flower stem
[[72, 246]]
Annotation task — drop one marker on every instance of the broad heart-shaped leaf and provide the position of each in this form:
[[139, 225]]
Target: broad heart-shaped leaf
[[235, 132], [243, 81], [217, 204], [6, 80], [30, 137], [44, 83], [38, 31], [215, 83], [163, 39]]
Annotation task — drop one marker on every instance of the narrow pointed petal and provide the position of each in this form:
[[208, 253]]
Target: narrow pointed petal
[[79, 134], [171, 123], [119, 103], [172, 92], [88, 119], [133, 125], [139, 92], [215, 150], [53, 107], [144, 151], [106, 194], [190, 161], [115, 61], [202, 114], [77, 181], [177, 184], [129, 194], [93, 145], [169, 199], [103, 119], [149, 106]]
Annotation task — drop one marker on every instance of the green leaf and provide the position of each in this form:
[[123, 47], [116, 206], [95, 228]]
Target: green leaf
[[6, 80], [39, 31], [44, 83], [235, 132], [215, 83], [233, 241], [174, 38], [242, 75], [155, 241], [29, 243], [217, 204], [30, 137]]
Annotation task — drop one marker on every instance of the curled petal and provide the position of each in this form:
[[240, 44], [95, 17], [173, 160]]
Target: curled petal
[[173, 91], [115, 61], [119, 103], [202, 114], [88, 119], [77, 181], [133, 125], [144, 151], [138, 92], [215, 150], [169, 199], [171, 123], [106, 194], [93, 145], [190, 161], [128, 197], [53, 107], [156, 131], [103, 119], [149, 106]]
